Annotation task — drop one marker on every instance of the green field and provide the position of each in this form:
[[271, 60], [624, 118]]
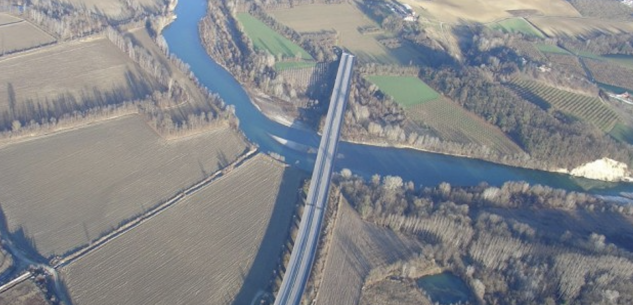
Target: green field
[[287, 65], [588, 108], [264, 38], [517, 25], [622, 133], [405, 90], [453, 123], [548, 48]]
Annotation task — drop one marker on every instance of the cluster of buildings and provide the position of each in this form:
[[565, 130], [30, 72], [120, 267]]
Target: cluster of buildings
[[405, 11]]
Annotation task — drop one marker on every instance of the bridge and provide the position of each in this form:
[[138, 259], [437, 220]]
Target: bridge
[[304, 249]]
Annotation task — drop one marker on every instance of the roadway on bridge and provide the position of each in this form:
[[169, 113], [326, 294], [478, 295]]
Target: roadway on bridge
[[304, 249]]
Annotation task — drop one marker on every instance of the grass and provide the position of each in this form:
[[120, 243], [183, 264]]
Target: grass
[[264, 38], [22, 35], [407, 91], [70, 76], [346, 18], [25, 293], [67, 189], [588, 108], [622, 133], [225, 239], [453, 123], [288, 65], [517, 25], [561, 26], [548, 48]]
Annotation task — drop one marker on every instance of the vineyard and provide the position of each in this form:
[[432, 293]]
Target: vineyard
[[218, 246], [588, 108], [304, 78], [454, 123], [64, 190]]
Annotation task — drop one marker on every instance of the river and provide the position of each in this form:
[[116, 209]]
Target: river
[[428, 169]]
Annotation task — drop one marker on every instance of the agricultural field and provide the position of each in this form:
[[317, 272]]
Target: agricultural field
[[346, 18], [568, 63], [265, 38], [305, 78], [551, 49], [388, 292], [453, 123], [218, 246], [117, 9], [25, 293], [356, 248], [6, 261], [408, 91], [610, 73], [622, 133], [588, 108], [517, 25], [559, 26], [606, 9], [17, 34], [64, 190], [485, 11], [62, 78], [290, 65]]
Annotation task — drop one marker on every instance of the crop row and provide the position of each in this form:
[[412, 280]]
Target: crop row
[[588, 108]]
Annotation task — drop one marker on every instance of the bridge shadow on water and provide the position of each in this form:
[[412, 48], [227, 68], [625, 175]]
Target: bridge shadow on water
[[261, 272]]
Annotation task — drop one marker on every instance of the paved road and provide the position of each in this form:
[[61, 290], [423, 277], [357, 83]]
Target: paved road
[[302, 257]]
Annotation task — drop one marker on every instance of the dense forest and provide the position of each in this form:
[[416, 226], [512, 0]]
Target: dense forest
[[514, 244]]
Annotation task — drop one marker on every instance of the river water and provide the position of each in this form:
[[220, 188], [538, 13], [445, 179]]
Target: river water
[[422, 168]]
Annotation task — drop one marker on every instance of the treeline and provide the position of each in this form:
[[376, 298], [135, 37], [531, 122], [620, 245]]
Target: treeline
[[600, 43], [474, 232], [559, 143]]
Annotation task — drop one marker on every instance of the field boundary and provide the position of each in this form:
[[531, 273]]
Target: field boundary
[[104, 240]]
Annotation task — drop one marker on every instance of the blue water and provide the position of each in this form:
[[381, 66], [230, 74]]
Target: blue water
[[445, 288], [422, 168]]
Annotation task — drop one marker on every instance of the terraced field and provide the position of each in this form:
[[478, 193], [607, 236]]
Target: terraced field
[[588, 108], [218, 246], [265, 38], [64, 190], [453, 123]]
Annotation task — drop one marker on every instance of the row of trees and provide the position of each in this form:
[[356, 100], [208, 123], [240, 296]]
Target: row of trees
[[475, 233]]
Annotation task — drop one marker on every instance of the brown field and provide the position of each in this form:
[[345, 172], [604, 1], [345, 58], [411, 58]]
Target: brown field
[[345, 18], [6, 261], [21, 35], [390, 291], [25, 293], [611, 73], [453, 123], [66, 76], [456, 11], [224, 239], [6, 18], [115, 9], [579, 26], [67, 189], [356, 248]]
